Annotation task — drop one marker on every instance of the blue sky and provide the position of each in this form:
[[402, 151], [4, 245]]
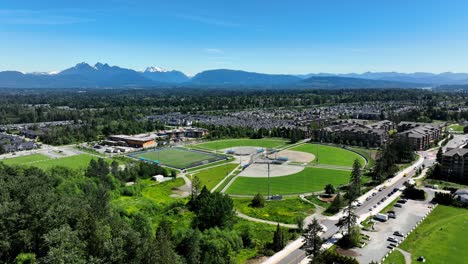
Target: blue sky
[[272, 36]]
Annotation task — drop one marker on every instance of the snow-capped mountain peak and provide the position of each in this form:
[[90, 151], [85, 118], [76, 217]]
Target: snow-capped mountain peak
[[155, 69]]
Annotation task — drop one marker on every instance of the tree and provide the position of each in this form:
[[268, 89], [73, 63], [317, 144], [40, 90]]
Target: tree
[[349, 220], [439, 156], [354, 187], [189, 247], [64, 246], [212, 210], [173, 174], [2, 149], [258, 201], [196, 186], [165, 252], [336, 205], [279, 240], [329, 189], [114, 167], [312, 240]]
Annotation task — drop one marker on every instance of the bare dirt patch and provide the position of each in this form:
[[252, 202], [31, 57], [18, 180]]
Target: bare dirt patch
[[295, 156], [261, 170], [241, 151]]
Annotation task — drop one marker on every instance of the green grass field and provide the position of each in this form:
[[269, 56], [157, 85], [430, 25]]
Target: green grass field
[[441, 238], [455, 128], [330, 155], [229, 143], [211, 177], [369, 154], [396, 257], [308, 180], [37, 160], [153, 195], [176, 157], [24, 160], [283, 211]]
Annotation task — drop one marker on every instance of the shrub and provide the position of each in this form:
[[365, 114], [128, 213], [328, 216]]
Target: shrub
[[258, 201]]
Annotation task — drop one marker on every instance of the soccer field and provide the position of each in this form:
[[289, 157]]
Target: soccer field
[[38, 160], [441, 238], [306, 181], [179, 158], [245, 142], [330, 155]]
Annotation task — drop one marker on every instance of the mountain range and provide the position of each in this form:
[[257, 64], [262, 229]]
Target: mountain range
[[84, 75]]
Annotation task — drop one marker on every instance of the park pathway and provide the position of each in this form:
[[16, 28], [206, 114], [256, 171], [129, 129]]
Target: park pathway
[[246, 217], [406, 254]]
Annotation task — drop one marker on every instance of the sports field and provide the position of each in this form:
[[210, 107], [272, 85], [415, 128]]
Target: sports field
[[306, 181], [244, 142], [37, 160], [441, 238], [178, 157], [330, 155], [211, 177], [455, 128], [23, 160]]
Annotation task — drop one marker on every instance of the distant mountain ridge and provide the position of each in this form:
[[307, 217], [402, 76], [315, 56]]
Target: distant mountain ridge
[[101, 75], [416, 77]]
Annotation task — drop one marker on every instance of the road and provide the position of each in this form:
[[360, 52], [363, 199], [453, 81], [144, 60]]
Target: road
[[296, 255]]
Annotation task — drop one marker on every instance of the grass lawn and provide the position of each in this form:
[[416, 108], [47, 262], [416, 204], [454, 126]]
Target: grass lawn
[[396, 257], [37, 160], [229, 143], [283, 211], [23, 160], [230, 159], [441, 238], [369, 154], [330, 155], [177, 157], [211, 177], [308, 180], [455, 128]]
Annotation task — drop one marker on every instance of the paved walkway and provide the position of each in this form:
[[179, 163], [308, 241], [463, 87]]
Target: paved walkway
[[246, 217], [406, 254]]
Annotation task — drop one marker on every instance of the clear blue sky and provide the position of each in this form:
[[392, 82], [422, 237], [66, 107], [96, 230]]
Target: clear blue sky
[[265, 36]]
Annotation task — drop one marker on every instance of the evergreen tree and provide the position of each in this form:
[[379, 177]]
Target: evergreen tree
[[439, 155], [329, 189], [312, 240], [163, 247], [354, 187], [258, 201], [279, 241]]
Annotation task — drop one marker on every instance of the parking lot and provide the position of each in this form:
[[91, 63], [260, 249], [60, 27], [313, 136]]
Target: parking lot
[[406, 218]]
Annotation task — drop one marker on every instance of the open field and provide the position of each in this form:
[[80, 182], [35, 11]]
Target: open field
[[37, 160], [283, 211], [153, 195], [178, 157], [330, 155], [306, 181], [211, 177], [441, 238], [229, 143], [24, 160], [455, 128]]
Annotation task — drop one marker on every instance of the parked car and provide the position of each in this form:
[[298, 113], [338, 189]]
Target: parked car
[[397, 233], [393, 216], [392, 239], [398, 205]]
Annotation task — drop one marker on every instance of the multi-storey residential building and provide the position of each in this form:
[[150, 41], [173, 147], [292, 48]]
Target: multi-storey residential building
[[420, 135], [455, 163], [357, 132]]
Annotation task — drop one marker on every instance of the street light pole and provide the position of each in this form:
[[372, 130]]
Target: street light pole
[[268, 181]]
